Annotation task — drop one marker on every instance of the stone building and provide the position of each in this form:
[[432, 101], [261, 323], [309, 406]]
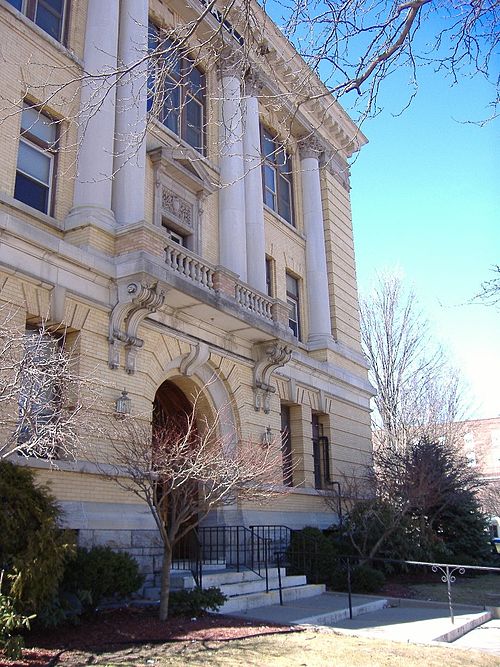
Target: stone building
[[481, 446], [207, 235]]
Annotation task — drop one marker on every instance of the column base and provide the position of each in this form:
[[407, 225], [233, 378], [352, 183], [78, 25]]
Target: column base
[[91, 228], [95, 216], [321, 341]]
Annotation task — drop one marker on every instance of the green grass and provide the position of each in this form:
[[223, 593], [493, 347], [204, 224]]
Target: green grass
[[480, 590], [310, 648]]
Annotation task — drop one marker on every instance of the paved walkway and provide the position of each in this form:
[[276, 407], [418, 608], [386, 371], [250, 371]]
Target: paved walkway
[[401, 620]]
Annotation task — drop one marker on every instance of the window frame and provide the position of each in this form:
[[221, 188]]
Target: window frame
[[182, 84], [293, 298], [282, 178], [45, 148], [43, 416], [286, 445], [321, 454], [29, 8]]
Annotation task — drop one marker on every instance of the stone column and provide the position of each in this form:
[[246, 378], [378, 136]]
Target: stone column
[[130, 131], [92, 199], [316, 272], [254, 203], [232, 233]]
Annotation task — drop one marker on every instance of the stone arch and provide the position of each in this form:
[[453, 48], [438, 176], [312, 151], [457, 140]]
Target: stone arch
[[216, 395]]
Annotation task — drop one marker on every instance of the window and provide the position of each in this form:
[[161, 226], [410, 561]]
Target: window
[[321, 454], [176, 90], [276, 177], [35, 160], [286, 445], [292, 298], [39, 396], [269, 277], [175, 236], [49, 15]]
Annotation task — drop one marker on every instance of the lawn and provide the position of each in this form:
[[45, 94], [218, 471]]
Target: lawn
[[308, 648], [480, 590]]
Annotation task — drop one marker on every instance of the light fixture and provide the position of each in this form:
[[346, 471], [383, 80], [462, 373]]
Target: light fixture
[[267, 437], [122, 405]]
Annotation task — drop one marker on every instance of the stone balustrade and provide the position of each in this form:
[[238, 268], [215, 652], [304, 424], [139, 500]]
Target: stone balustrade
[[189, 266]]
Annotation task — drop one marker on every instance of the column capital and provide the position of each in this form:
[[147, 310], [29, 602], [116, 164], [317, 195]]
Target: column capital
[[310, 147], [253, 83], [231, 62]]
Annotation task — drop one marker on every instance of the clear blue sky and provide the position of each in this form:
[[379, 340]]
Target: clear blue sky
[[426, 200]]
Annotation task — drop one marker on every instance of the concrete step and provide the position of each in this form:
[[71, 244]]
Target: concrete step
[[252, 600], [223, 577], [259, 585]]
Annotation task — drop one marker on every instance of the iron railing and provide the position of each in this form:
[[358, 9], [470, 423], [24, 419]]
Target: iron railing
[[236, 547], [299, 557]]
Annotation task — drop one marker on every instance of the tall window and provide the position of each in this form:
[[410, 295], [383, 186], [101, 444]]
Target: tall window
[[35, 160], [39, 396], [269, 277], [293, 300], [176, 90], [276, 177], [286, 445], [321, 454], [49, 15]]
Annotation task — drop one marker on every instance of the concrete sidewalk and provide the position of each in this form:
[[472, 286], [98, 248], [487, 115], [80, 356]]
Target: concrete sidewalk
[[411, 621]]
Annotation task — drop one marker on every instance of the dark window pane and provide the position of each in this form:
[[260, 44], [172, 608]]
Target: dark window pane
[[48, 21], [32, 193], [195, 80], [57, 5], [268, 146], [284, 200], [171, 105], [269, 178], [16, 3], [194, 124], [269, 199]]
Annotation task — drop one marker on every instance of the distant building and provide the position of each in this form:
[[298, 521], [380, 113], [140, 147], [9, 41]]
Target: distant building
[[481, 446]]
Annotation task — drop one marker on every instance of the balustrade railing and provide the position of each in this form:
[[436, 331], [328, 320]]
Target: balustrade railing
[[253, 301], [187, 265]]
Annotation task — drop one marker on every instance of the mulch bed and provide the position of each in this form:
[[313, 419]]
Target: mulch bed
[[117, 628]]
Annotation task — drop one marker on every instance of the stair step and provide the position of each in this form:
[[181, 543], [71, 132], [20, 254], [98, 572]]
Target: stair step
[[259, 585], [232, 577], [253, 600]]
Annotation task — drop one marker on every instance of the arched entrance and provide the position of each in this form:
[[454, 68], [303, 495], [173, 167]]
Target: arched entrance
[[173, 420], [170, 405]]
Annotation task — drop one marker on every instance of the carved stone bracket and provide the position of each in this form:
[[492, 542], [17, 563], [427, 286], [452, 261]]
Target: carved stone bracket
[[192, 361], [135, 302], [270, 356]]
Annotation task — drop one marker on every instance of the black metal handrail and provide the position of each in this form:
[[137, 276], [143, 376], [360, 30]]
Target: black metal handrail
[[276, 537], [187, 556], [235, 546], [307, 559]]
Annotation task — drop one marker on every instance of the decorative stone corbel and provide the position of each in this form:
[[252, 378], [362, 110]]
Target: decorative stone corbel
[[135, 302], [269, 357], [192, 361]]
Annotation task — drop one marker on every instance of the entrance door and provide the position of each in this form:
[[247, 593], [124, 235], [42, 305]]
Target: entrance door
[[172, 409]]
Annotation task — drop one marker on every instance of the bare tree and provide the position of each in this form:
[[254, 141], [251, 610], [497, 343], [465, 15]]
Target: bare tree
[[355, 45], [352, 46], [399, 506], [419, 393], [185, 468], [490, 290], [45, 402]]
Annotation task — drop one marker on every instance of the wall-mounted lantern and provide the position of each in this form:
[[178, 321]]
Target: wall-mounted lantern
[[123, 405]]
